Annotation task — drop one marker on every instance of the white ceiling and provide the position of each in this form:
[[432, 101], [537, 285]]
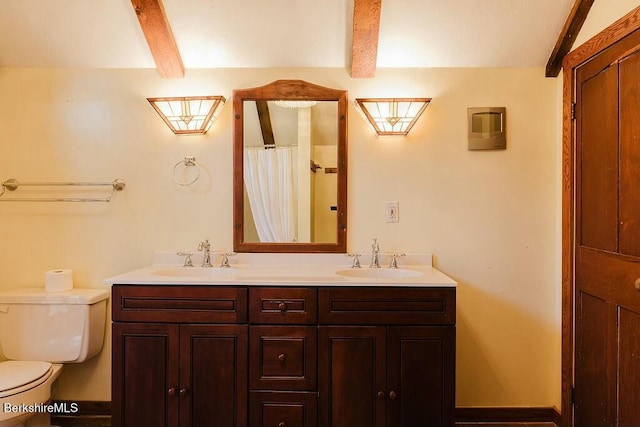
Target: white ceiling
[[281, 33]]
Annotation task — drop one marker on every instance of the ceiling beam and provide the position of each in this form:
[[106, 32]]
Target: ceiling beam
[[265, 122], [568, 35], [157, 31], [366, 30]]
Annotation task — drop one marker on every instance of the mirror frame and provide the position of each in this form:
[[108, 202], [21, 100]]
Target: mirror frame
[[297, 90]]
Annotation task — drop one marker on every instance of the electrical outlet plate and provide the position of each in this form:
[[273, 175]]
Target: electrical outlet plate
[[391, 212]]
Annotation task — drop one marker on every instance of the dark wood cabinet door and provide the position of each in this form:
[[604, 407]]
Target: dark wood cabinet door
[[145, 375], [352, 376], [421, 376], [213, 375]]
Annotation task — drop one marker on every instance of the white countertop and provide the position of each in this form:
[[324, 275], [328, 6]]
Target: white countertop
[[287, 270]]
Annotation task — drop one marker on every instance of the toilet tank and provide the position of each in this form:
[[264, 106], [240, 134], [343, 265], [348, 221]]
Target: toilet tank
[[61, 327]]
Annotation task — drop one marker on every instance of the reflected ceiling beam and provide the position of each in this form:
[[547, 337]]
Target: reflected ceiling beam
[[265, 122], [366, 30], [157, 31], [568, 35]]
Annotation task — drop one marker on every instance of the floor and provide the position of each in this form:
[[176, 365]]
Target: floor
[[505, 425], [105, 422]]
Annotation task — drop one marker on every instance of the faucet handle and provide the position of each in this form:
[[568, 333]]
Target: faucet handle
[[225, 259], [356, 260], [187, 258], [394, 261]]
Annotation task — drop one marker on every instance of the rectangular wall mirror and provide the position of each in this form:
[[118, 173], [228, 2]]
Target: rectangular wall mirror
[[290, 168]]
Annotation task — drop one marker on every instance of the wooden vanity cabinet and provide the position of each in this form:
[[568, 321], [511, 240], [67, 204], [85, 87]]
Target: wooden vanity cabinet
[[283, 356], [179, 356], [382, 367]]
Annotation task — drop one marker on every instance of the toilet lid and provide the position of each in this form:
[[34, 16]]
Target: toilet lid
[[16, 374]]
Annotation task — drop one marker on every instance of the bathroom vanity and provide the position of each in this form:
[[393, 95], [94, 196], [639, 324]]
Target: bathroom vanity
[[283, 345]]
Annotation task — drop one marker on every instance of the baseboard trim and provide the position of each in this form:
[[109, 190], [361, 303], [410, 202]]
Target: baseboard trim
[[558, 418], [81, 413], [506, 414], [99, 413]]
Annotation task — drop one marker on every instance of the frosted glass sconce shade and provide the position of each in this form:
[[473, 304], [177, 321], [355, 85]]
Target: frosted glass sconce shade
[[188, 115], [288, 103], [392, 116]]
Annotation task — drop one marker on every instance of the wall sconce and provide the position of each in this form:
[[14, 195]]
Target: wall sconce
[[188, 115], [392, 116]]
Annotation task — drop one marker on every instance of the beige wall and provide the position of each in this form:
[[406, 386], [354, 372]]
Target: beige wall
[[490, 218], [602, 14]]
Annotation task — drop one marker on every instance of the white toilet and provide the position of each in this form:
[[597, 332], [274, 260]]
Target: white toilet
[[38, 332]]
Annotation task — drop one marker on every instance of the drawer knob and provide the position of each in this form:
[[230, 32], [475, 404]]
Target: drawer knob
[[282, 424], [380, 394], [171, 391], [637, 284], [282, 357], [392, 395], [282, 306], [184, 392]]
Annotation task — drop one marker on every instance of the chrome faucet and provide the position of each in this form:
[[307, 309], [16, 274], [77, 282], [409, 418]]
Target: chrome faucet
[[394, 260], [375, 250], [205, 247]]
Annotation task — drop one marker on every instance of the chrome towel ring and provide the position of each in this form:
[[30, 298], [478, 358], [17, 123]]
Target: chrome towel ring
[[187, 162]]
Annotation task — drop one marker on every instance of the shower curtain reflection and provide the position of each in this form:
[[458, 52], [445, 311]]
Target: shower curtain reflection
[[268, 178]]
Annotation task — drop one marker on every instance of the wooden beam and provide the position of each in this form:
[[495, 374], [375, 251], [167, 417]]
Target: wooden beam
[[572, 27], [265, 122], [366, 30], [157, 31]]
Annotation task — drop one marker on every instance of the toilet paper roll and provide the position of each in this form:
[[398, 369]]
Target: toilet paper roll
[[58, 280]]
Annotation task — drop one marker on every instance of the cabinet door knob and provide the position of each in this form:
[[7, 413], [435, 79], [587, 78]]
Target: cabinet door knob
[[171, 391], [392, 395], [282, 424], [637, 284], [282, 357], [380, 394], [282, 306], [183, 392]]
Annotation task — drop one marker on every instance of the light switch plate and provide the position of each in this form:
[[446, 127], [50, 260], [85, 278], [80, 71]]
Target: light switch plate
[[391, 212]]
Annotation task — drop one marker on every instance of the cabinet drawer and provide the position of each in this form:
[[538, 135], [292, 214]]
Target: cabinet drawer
[[282, 357], [277, 409], [179, 304], [390, 306], [283, 305]]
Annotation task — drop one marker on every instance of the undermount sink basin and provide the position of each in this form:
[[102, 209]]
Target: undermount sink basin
[[193, 271], [379, 273]]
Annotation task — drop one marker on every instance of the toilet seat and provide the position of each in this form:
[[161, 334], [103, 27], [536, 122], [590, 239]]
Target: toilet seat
[[19, 376]]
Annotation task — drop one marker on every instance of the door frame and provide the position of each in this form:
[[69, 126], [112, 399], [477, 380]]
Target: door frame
[[609, 36]]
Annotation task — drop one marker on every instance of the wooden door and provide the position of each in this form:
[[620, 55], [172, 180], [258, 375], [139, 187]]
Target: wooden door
[[213, 375], [145, 375], [607, 248], [421, 376], [352, 376]]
